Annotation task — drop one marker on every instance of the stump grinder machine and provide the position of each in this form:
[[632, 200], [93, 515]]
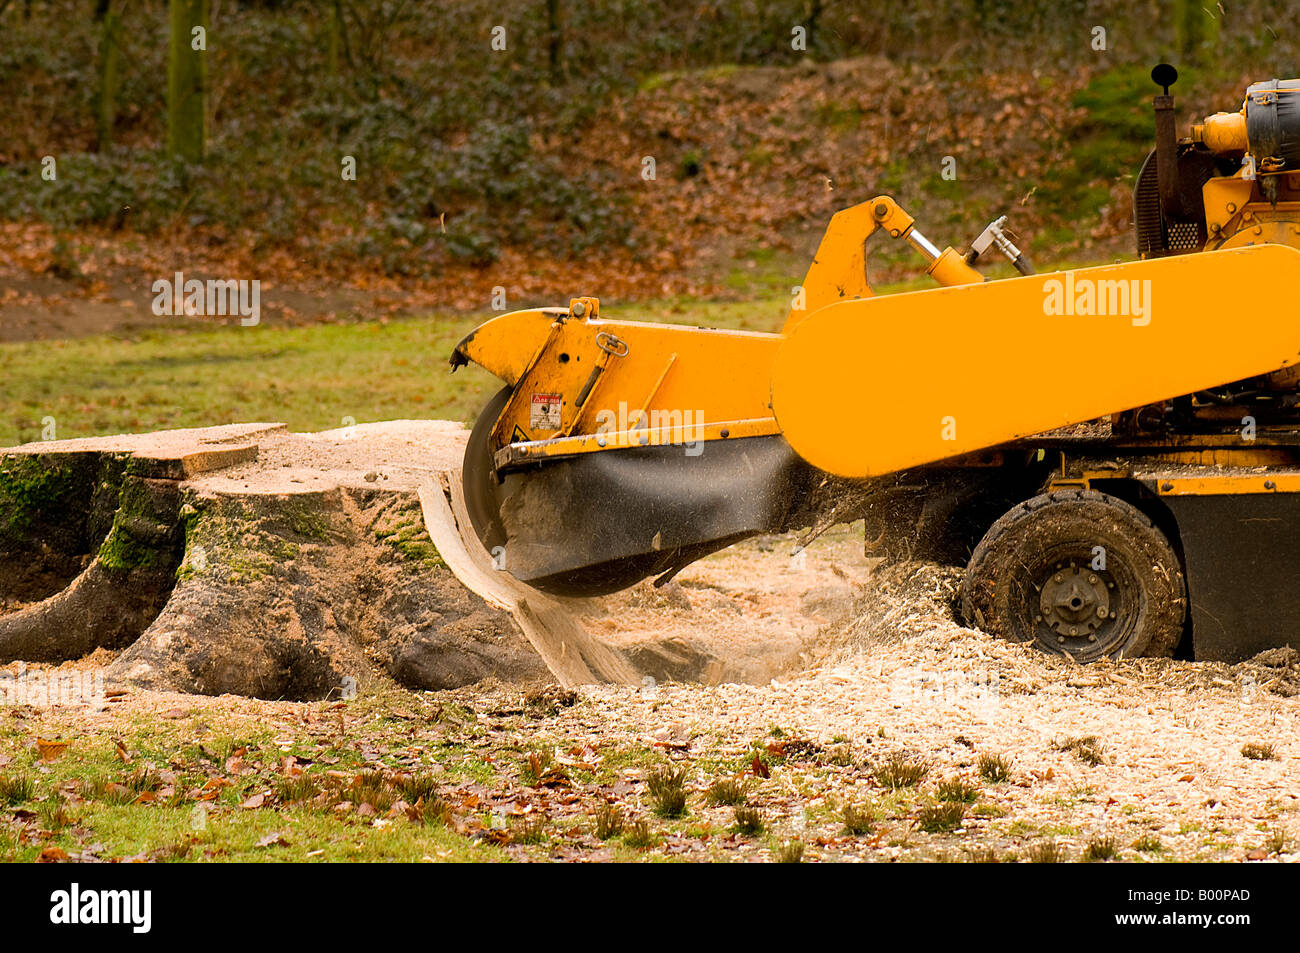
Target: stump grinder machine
[[1113, 452]]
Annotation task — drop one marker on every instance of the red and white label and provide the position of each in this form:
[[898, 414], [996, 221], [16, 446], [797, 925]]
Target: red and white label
[[545, 412]]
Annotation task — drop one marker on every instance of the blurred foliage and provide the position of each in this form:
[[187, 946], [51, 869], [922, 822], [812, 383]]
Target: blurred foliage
[[455, 143]]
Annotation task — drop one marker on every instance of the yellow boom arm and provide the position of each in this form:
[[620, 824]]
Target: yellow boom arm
[[839, 269], [866, 388]]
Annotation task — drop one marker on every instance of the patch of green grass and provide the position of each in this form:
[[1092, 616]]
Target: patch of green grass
[[432, 809], [1046, 852], [987, 855], [749, 820], [415, 787], [530, 829], [15, 789], [609, 821], [54, 813], [958, 789], [791, 852], [899, 770], [373, 788], [1148, 844], [1258, 751], [942, 817], [297, 789], [538, 766], [310, 378], [840, 754], [667, 789], [1100, 849], [1087, 748], [994, 768], [726, 792], [232, 835], [858, 820], [640, 836]]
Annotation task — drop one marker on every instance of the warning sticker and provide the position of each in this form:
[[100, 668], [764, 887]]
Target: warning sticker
[[545, 414]]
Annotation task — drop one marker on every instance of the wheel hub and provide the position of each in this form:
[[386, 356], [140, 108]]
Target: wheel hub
[[1075, 602]]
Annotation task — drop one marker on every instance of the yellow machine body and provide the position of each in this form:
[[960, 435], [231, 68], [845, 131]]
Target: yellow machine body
[[1150, 407], [866, 388]]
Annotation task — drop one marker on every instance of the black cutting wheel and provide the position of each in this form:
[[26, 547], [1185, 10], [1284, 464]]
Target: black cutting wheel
[[484, 495]]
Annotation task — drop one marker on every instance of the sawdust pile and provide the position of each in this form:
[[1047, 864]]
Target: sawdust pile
[[909, 611]]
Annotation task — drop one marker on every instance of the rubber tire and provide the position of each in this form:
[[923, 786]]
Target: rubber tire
[[998, 587]]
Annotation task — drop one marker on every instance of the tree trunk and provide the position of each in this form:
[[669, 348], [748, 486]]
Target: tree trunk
[[553, 39], [335, 37], [109, 57], [187, 80]]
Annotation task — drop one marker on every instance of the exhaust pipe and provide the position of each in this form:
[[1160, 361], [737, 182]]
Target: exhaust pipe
[[1171, 200]]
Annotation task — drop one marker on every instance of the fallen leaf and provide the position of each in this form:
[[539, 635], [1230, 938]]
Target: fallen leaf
[[275, 839], [760, 768], [52, 855], [51, 750], [254, 802]]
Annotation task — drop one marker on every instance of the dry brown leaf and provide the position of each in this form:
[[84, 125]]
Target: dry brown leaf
[[51, 750]]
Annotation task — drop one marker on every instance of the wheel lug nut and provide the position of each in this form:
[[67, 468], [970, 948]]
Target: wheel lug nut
[[1101, 612], [1092, 638], [1092, 578]]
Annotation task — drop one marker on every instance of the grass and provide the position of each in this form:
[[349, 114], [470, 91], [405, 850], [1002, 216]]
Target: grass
[[942, 817], [417, 787], [959, 790], [1100, 849], [1046, 852], [540, 768], [54, 814], [899, 770], [640, 836], [1087, 748], [296, 790], [311, 378], [530, 829], [667, 788], [432, 809], [791, 852], [994, 768], [609, 821], [1258, 751], [726, 792], [1148, 844], [858, 820], [987, 855], [749, 820], [15, 789]]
